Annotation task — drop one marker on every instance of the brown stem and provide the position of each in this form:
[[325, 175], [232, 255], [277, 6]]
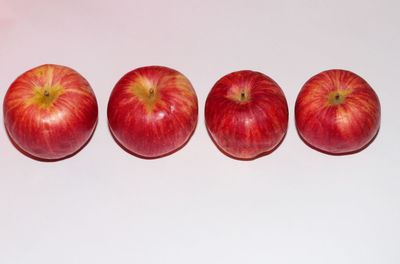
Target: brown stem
[[46, 93], [242, 95]]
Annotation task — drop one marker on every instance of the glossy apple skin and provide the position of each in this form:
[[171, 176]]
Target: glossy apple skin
[[152, 111], [246, 114], [341, 127], [55, 125]]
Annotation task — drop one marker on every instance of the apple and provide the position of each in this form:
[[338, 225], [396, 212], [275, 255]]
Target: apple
[[152, 111], [246, 114], [50, 112], [337, 112]]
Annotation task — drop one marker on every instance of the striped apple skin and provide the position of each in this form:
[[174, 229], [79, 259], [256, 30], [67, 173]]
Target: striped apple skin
[[55, 125], [341, 127], [152, 111], [246, 114]]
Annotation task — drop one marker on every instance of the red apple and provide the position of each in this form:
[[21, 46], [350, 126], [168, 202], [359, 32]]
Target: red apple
[[337, 112], [50, 112], [246, 114], [152, 111]]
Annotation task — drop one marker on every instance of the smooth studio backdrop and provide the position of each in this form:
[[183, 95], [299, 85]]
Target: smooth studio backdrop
[[295, 205]]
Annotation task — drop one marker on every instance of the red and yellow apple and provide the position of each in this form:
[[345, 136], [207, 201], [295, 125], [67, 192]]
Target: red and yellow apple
[[50, 112], [337, 112], [246, 114], [152, 111]]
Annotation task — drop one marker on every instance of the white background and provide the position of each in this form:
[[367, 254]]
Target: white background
[[295, 205]]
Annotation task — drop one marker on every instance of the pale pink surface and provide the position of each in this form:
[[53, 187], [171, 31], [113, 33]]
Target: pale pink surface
[[197, 205], [7, 16]]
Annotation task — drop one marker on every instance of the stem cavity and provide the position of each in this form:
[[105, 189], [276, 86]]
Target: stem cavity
[[336, 98], [242, 96]]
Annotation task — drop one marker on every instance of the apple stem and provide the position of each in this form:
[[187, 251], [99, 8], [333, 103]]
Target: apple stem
[[337, 96], [46, 93], [151, 91], [242, 95]]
